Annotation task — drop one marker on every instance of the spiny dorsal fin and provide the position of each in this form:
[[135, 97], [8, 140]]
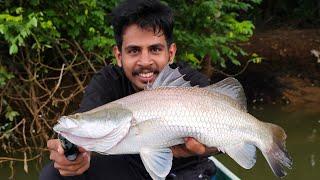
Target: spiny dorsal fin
[[232, 88], [169, 78]]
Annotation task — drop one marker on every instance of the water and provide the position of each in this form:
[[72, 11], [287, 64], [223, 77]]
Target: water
[[303, 144], [19, 173]]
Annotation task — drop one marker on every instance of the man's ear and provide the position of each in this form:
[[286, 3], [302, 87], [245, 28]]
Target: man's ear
[[172, 52], [117, 55]]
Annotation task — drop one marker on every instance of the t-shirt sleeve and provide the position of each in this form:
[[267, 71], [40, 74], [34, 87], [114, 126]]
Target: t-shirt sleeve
[[98, 92]]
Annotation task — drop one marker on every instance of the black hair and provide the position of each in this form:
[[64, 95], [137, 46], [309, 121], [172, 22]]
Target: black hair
[[146, 14]]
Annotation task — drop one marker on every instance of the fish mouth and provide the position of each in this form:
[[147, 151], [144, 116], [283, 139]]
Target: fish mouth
[[65, 124]]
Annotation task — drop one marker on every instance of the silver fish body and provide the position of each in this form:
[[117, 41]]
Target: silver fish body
[[198, 113], [151, 121]]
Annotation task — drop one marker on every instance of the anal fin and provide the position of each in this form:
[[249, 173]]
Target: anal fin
[[157, 162], [244, 154]]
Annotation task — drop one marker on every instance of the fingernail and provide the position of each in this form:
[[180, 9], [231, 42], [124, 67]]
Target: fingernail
[[84, 154]]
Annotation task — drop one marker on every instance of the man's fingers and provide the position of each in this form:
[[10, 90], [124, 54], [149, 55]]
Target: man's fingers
[[55, 145], [194, 146], [74, 168], [85, 166], [82, 150], [180, 151], [67, 173], [212, 150], [62, 160]]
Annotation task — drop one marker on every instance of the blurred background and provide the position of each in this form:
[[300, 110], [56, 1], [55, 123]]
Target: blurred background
[[49, 50]]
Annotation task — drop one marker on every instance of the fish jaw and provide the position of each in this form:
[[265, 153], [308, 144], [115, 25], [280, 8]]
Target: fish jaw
[[65, 124]]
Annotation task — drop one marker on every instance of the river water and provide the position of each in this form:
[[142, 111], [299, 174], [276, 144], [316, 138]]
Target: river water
[[303, 144]]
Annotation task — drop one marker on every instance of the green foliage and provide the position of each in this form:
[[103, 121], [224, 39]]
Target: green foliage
[[4, 76], [255, 58], [10, 113], [16, 28], [206, 27], [202, 27], [52, 23]]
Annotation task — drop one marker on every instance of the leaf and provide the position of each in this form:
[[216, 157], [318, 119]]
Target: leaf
[[10, 114], [235, 62], [19, 10], [2, 28], [13, 49], [33, 21]]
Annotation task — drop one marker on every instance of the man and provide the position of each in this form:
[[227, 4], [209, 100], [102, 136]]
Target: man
[[143, 33]]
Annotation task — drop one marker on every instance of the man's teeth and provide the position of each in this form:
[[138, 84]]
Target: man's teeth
[[146, 75]]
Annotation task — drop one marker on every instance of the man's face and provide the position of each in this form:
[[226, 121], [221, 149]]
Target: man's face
[[143, 55]]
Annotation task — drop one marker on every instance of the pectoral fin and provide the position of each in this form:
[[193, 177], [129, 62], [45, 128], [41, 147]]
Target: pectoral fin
[[157, 162]]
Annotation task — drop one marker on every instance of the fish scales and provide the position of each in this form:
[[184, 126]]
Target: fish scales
[[186, 119]]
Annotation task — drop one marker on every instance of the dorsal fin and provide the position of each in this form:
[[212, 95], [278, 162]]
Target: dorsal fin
[[232, 88], [169, 78]]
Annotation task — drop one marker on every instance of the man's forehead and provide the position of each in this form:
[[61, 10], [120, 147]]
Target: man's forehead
[[135, 35], [135, 27]]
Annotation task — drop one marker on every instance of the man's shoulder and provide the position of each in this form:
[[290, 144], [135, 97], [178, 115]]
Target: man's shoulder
[[110, 72], [107, 85]]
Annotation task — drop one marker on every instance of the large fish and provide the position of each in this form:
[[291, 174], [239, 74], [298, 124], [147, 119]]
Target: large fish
[[151, 121]]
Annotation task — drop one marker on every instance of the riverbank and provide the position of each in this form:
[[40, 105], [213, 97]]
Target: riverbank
[[290, 71]]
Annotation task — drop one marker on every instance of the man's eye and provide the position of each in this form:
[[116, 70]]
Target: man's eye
[[133, 51], [155, 50]]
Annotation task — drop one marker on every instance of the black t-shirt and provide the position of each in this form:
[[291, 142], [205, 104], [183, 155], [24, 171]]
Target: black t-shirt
[[110, 84]]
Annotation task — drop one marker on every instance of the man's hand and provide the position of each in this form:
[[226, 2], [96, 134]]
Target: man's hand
[[191, 148], [66, 167]]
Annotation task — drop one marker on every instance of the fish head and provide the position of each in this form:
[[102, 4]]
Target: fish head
[[78, 129]]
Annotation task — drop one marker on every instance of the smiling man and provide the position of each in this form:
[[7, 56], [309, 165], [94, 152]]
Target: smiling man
[[144, 52], [143, 33]]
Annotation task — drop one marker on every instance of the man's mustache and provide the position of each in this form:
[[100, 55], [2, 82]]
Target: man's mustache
[[140, 69]]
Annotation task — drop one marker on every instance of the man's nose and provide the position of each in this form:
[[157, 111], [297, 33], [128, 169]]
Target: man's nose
[[145, 59]]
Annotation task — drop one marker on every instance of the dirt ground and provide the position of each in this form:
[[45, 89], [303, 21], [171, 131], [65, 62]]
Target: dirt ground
[[290, 71]]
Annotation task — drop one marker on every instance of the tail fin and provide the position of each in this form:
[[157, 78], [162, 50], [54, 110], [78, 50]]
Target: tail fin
[[277, 155]]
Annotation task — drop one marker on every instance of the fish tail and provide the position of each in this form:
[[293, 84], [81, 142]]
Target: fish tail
[[276, 154]]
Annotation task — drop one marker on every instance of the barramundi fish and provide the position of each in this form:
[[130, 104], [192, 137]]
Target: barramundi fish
[[162, 115]]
